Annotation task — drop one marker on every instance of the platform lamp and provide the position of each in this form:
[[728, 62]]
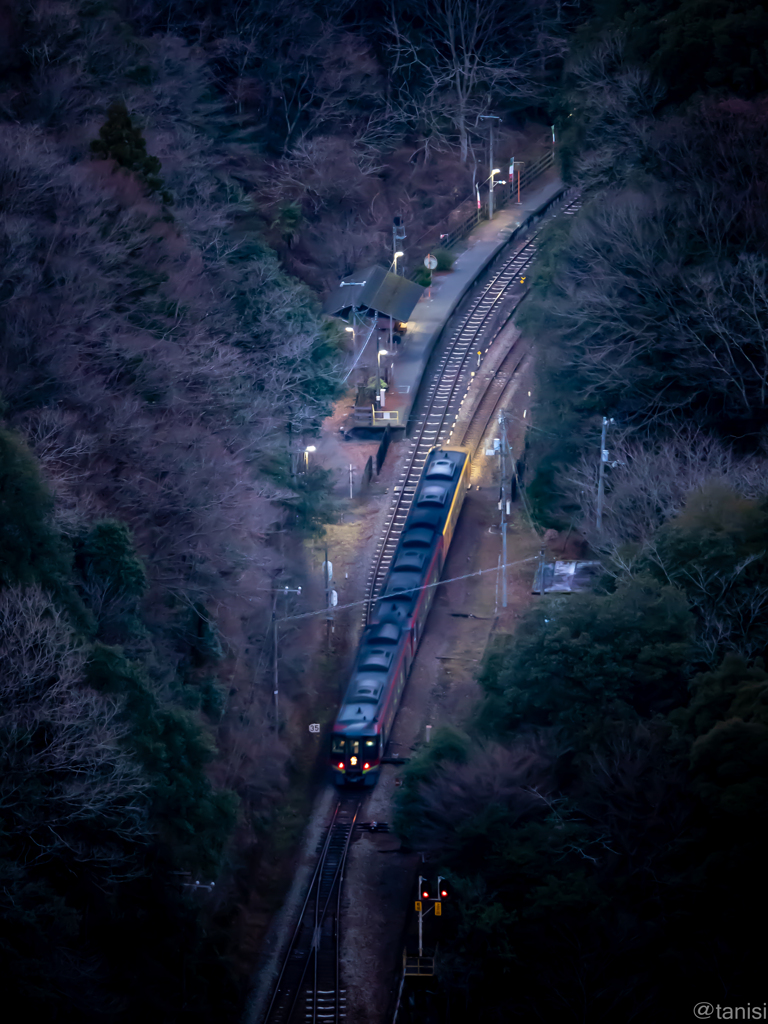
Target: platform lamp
[[381, 352], [398, 235]]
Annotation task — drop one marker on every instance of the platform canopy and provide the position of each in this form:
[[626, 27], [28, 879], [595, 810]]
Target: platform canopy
[[374, 290]]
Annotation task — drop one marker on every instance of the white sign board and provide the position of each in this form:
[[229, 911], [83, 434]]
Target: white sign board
[[328, 567], [314, 727], [430, 262]]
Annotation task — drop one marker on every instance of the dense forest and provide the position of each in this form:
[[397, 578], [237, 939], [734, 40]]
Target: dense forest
[[611, 791], [180, 183]]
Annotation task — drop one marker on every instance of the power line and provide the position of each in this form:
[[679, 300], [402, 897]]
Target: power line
[[412, 590]]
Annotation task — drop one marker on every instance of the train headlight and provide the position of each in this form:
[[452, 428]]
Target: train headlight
[[353, 761]]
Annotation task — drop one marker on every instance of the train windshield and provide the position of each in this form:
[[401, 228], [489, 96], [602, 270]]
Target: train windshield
[[355, 748]]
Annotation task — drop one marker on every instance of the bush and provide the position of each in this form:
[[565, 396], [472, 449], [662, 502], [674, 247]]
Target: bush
[[445, 259]]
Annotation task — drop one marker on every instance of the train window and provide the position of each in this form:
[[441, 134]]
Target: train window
[[337, 745], [354, 747]]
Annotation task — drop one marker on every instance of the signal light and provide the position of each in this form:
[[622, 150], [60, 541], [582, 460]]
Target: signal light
[[425, 894], [443, 889]]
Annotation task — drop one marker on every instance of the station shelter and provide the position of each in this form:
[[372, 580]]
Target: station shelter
[[377, 304]]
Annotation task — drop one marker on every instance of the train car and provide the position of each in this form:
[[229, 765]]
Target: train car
[[390, 640]]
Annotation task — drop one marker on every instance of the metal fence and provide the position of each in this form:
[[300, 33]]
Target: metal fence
[[503, 195]]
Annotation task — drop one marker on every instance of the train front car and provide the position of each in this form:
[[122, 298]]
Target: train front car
[[388, 645]]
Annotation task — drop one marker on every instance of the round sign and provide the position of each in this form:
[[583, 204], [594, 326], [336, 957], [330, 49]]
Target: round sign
[[430, 262]]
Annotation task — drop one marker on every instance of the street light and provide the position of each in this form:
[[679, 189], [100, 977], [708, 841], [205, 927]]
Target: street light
[[398, 254], [307, 450], [490, 118], [381, 352]]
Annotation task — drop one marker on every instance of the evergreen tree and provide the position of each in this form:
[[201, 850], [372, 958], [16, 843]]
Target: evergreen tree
[[120, 140]]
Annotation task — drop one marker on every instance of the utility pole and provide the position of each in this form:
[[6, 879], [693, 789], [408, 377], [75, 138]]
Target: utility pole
[[275, 687], [503, 506], [601, 473], [328, 574], [275, 650]]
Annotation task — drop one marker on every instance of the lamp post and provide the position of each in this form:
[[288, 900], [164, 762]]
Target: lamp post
[[397, 255], [398, 235], [491, 118], [307, 450], [381, 352], [494, 172], [491, 179]]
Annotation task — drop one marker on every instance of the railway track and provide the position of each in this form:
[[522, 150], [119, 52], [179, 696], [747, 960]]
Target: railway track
[[309, 987], [459, 354], [475, 431]]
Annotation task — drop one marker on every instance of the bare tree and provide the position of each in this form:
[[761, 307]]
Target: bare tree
[[63, 762], [649, 483], [519, 778], [641, 323], [615, 103], [450, 57]]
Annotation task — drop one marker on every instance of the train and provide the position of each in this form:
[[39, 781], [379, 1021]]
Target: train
[[396, 623]]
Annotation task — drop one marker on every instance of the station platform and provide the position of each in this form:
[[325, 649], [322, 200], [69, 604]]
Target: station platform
[[405, 362]]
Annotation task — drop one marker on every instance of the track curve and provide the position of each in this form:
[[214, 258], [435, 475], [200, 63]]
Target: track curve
[[445, 393]]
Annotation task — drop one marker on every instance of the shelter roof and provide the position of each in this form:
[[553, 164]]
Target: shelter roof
[[377, 290]]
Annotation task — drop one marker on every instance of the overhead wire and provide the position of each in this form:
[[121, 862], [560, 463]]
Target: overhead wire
[[410, 590]]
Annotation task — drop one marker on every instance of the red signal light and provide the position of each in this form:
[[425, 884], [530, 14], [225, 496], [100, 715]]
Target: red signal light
[[443, 892], [425, 895]]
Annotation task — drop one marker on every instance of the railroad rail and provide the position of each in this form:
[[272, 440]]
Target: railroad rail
[[459, 353], [493, 396], [309, 988]]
